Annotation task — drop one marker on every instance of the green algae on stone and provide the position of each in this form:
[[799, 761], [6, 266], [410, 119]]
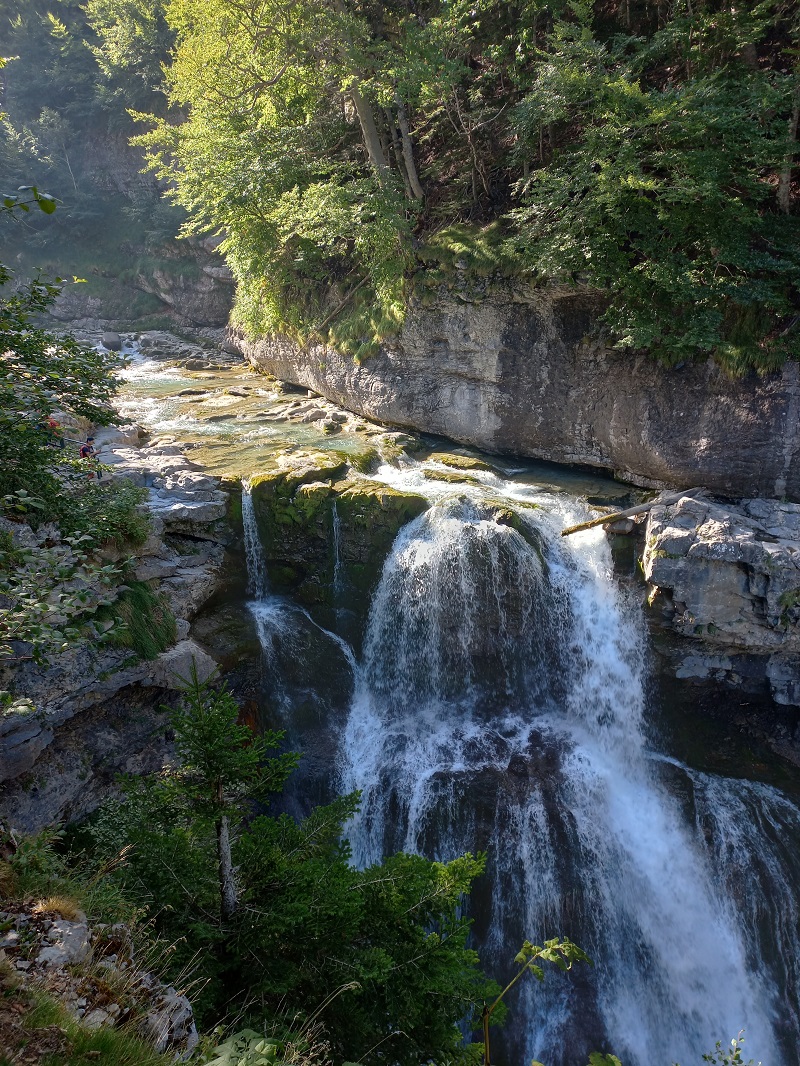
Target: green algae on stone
[[450, 478], [460, 462]]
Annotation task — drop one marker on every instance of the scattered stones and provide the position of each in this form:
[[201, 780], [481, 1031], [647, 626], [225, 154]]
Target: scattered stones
[[73, 962], [328, 426]]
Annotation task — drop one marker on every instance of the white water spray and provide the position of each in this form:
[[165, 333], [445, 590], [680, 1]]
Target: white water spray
[[500, 706]]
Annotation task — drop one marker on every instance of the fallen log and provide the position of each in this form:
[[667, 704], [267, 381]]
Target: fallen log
[[629, 512]]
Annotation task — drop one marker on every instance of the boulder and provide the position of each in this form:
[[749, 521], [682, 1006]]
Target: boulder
[[69, 943], [174, 666], [111, 341], [731, 576]]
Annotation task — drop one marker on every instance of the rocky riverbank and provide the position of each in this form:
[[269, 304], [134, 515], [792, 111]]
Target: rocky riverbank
[[524, 371], [94, 711]]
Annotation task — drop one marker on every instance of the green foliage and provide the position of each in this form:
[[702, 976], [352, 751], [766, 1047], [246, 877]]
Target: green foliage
[[597, 1058], [379, 956], [42, 868], [637, 154], [107, 513], [133, 39], [40, 374], [26, 195], [729, 1056], [222, 764], [53, 593], [52, 597], [246, 1048], [561, 953], [657, 194], [142, 621]]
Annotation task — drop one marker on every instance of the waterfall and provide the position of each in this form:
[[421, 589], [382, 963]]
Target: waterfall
[[281, 626], [500, 707], [257, 584], [337, 553]]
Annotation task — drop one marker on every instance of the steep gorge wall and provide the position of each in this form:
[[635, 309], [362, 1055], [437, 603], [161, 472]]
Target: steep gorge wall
[[521, 373]]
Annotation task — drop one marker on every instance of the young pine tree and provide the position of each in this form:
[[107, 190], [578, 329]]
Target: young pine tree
[[223, 765]]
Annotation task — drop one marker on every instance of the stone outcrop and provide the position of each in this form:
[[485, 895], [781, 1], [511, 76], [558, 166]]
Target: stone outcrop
[[94, 973], [522, 372], [321, 524], [94, 711], [730, 577]]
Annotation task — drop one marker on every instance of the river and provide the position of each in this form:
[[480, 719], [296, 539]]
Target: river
[[501, 697]]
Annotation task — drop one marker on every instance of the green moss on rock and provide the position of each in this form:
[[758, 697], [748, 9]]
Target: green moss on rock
[[450, 478], [460, 462]]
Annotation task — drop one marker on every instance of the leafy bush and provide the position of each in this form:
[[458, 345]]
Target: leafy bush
[[107, 513], [379, 956]]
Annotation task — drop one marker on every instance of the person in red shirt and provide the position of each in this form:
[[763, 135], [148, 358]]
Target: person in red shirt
[[88, 452]]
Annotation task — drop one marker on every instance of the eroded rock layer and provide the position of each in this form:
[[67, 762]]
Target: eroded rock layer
[[523, 373]]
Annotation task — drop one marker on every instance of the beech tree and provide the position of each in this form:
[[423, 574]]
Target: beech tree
[[347, 150]]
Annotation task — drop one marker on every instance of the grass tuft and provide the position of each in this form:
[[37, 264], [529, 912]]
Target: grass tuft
[[64, 906], [148, 623]]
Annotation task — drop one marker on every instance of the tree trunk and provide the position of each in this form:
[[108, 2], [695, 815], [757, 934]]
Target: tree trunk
[[629, 512], [785, 178], [408, 150], [398, 153], [369, 130], [227, 883]]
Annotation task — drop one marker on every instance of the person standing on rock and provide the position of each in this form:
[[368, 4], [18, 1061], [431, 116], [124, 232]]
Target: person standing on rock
[[89, 452]]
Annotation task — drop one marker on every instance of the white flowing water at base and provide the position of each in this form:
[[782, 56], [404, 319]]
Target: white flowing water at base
[[500, 706]]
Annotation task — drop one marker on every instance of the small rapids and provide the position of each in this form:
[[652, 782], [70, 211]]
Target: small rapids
[[499, 706]]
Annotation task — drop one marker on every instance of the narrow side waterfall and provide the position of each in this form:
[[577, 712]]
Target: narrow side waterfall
[[257, 584], [500, 707], [283, 627], [337, 553]]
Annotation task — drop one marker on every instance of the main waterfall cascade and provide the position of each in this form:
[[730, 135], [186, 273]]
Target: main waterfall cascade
[[499, 706]]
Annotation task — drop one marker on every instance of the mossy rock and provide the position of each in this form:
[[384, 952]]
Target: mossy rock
[[295, 468], [363, 461], [504, 516], [452, 479], [302, 526], [461, 462]]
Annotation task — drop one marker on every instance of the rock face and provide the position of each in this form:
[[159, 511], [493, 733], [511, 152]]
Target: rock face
[[324, 530], [519, 373], [730, 577], [96, 711], [94, 973]]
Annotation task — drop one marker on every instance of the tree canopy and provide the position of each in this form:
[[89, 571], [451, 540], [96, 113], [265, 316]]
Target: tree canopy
[[643, 149]]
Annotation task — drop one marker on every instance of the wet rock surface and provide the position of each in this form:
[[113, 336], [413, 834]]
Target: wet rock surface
[[325, 530]]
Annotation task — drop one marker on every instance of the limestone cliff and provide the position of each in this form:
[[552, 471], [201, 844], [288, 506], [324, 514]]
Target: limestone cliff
[[95, 711], [522, 371]]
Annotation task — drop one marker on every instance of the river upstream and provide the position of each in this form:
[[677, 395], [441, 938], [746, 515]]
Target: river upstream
[[497, 693]]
